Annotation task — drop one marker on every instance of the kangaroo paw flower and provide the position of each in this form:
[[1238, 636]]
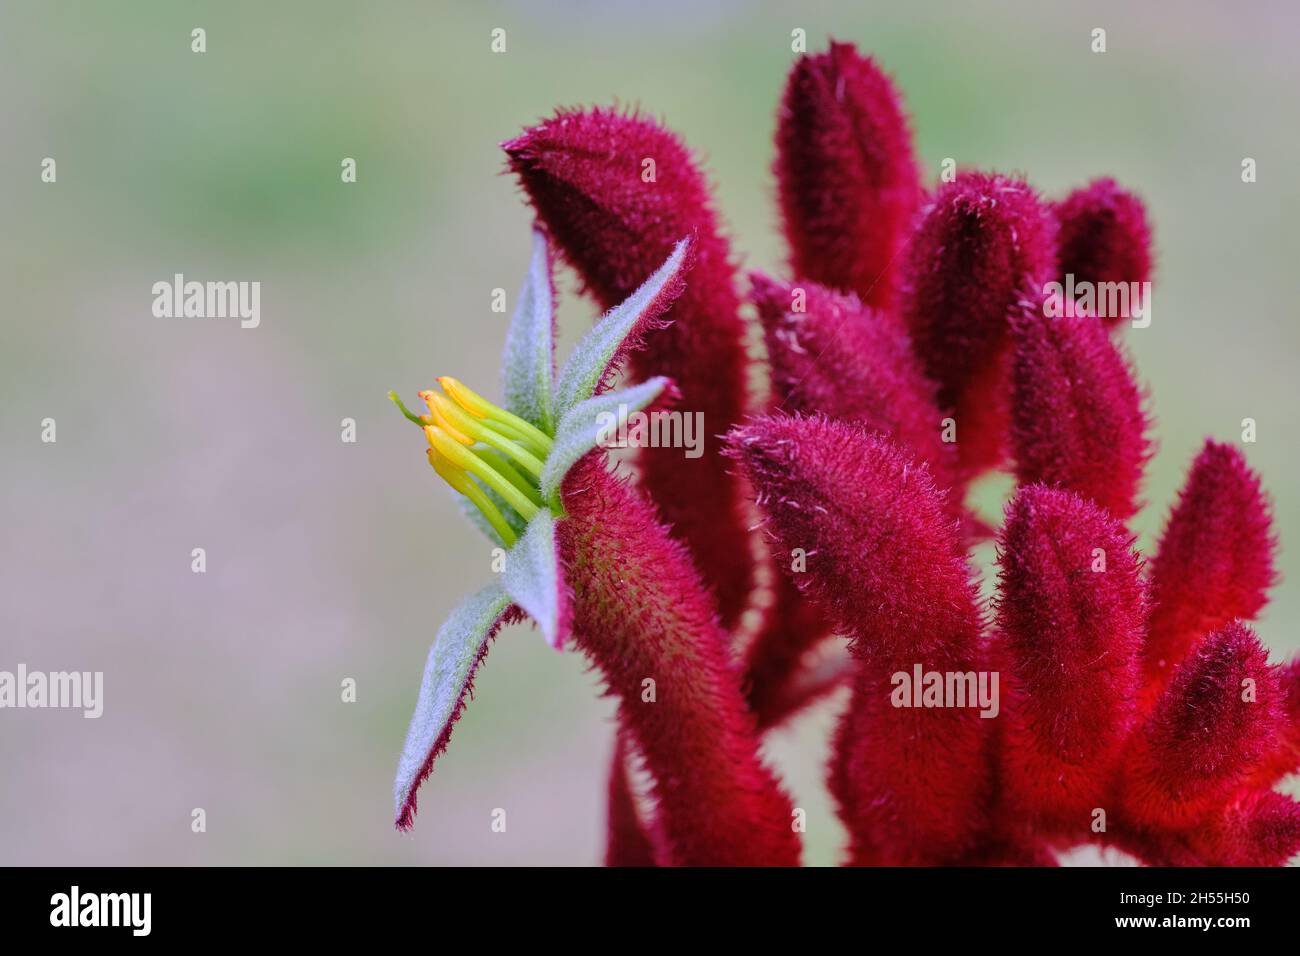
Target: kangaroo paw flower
[[910, 354], [1103, 237], [616, 192], [508, 464], [885, 564], [846, 174], [981, 254], [883, 558], [641, 615], [1209, 730], [1071, 613], [1214, 562], [831, 355], [1077, 416]]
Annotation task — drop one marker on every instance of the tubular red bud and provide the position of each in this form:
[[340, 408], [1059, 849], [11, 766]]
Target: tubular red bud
[[1215, 559], [1071, 613], [1103, 236], [846, 175], [831, 355], [1261, 829], [1208, 731], [617, 192], [1077, 414], [836, 357], [883, 557], [640, 613], [982, 254], [885, 564]]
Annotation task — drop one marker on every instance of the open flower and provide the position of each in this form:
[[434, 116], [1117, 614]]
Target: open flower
[[585, 558], [509, 465]]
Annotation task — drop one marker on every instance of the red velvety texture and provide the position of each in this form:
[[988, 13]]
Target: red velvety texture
[[1202, 739], [848, 361], [1077, 412], [1262, 828], [1103, 236], [846, 174], [883, 557], [910, 783], [830, 354], [1283, 757], [582, 170], [1214, 562], [885, 564], [1070, 645], [640, 611], [982, 252]]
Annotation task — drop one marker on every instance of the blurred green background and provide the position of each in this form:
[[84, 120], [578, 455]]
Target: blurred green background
[[329, 560]]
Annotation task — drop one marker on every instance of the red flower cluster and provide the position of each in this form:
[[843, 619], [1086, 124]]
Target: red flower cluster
[[1098, 700]]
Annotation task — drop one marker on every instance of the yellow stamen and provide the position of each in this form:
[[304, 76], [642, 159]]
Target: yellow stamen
[[502, 464], [439, 406], [451, 417], [506, 422], [463, 458], [470, 489]]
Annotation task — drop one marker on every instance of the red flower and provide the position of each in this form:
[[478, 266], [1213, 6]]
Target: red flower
[[846, 176], [831, 355], [980, 257], [1214, 724], [1103, 237], [885, 563], [641, 615], [1215, 560], [1101, 702], [1071, 614], [1077, 418], [616, 192]]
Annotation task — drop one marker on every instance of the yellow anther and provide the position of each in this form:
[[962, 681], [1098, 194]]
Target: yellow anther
[[466, 397], [488, 454], [507, 423], [443, 413], [468, 430]]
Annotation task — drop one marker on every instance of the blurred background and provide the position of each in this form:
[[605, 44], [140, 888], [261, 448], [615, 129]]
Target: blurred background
[[327, 560]]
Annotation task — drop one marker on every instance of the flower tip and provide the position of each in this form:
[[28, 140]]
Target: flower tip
[[1104, 236], [769, 294], [517, 147]]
